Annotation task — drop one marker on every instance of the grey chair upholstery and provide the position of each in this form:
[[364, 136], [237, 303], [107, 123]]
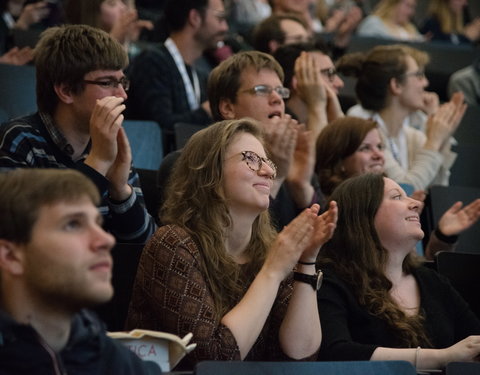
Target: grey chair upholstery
[[146, 142], [183, 132], [17, 91], [462, 269], [439, 199]]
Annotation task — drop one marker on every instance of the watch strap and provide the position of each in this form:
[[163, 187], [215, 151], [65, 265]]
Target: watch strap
[[314, 280]]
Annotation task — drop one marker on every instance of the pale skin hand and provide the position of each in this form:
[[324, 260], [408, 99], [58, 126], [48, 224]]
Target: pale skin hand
[[466, 350], [457, 219], [128, 27], [472, 30], [110, 154], [347, 26], [334, 109], [206, 107], [444, 122], [334, 21], [248, 317], [17, 56], [324, 226], [32, 13], [281, 138], [312, 90], [350, 22], [290, 244], [302, 168], [310, 85], [431, 103], [118, 173]]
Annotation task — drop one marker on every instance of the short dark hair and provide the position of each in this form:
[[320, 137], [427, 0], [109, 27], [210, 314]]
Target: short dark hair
[[65, 54], [270, 29], [176, 12], [23, 192], [224, 80]]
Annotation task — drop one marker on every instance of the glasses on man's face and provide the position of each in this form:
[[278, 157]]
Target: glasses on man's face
[[419, 74], [110, 83], [265, 90], [330, 73], [255, 161], [296, 38]]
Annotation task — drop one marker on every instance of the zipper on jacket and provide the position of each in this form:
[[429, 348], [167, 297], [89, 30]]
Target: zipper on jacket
[[57, 362]]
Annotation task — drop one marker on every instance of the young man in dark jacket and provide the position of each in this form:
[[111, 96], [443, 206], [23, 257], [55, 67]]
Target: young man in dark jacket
[[54, 262]]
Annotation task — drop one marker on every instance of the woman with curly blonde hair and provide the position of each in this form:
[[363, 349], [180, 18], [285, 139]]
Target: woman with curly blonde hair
[[218, 269], [377, 301]]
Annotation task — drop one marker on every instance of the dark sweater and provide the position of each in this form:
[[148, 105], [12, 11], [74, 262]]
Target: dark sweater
[[88, 351], [351, 333]]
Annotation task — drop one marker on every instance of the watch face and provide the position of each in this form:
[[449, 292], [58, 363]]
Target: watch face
[[319, 279]]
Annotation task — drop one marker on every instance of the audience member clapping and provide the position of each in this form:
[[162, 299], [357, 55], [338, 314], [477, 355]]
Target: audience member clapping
[[391, 86], [352, 146], [377, 302], [221, 256]]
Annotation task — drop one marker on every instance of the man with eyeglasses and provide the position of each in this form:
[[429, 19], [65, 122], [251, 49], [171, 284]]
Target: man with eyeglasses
[[250, 84], [166, 86], [81, 91], [314, 84]]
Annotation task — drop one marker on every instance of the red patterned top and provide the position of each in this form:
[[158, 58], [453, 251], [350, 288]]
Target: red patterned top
[[171, 295]]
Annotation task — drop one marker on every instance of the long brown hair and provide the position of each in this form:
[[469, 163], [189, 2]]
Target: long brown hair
[[195, 201], [356, 254]]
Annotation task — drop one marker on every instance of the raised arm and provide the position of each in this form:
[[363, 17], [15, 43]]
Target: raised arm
[[248, 317], [432, 152], [111, 156], [453, 222], [312, 90], [299, 179], [300, 332], [281, 137]]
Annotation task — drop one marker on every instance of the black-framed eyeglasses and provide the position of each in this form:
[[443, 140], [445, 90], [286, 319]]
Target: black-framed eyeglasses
[[110, 83], [419, 74], [266, 90], [255, 161], [330, 73]]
